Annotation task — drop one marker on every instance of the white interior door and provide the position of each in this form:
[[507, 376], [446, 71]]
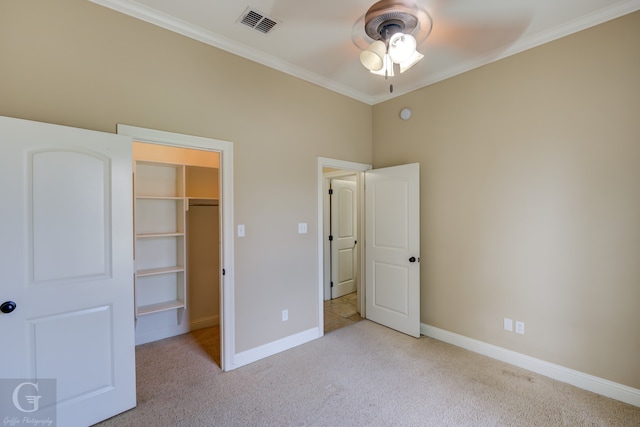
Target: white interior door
[[66, 261], [344, 228], [392, 216]]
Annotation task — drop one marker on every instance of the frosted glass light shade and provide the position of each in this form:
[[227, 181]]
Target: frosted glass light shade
[[373, 57], [411, 61], [387, 67], [401, 47]]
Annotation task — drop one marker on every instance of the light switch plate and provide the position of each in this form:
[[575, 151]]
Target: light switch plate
[[240, 230], [302, 228]]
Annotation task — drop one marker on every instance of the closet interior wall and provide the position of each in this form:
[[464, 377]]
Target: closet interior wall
[[203, 249]]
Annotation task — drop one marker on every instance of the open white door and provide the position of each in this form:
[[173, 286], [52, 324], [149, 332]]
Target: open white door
[[66, 261], [344, 228], [392, 216]]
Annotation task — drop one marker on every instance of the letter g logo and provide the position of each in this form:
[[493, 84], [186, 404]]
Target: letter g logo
[[33, 399]]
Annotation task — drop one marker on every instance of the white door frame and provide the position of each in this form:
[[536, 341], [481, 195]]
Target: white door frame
[[359, 168], [227, 288]]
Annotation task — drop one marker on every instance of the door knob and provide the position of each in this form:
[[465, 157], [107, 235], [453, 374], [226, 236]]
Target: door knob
[[412, 259], [7, 307]]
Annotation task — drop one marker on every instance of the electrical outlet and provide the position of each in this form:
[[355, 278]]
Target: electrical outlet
[[519, 327], [285, 315], [508, 324], [302, 228]]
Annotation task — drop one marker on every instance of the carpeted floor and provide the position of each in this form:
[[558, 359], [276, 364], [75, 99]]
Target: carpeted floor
[[361, 375]]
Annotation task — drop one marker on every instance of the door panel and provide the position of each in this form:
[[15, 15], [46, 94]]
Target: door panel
[[392, 211], [49, 362], [67, 262], [391, 298], [64, 253], [344, 228]]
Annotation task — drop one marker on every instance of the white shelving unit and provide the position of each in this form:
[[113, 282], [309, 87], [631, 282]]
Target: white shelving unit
[[160, 205]]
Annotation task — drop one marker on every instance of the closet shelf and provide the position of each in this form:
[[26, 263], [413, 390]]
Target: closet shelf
[[163, 194], [156, 308], [152, 235], [160, 283], [157, 271], [159, 198]]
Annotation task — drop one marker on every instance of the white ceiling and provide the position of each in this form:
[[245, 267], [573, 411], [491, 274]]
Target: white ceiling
[[314, 39]]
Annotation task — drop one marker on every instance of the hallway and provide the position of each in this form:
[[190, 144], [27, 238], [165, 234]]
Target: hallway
[[341, 312]]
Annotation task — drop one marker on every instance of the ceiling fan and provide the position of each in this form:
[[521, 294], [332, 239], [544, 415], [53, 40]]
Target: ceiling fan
[[446, 31], [394, 25], [390, 33]]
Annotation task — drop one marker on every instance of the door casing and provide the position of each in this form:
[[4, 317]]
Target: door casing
[[225, 148]]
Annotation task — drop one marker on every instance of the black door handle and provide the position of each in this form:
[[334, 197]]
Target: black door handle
[[7, 307], [412, 259]]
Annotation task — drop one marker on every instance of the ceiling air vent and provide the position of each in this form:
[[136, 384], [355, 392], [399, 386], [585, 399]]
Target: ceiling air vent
[[257, 20]]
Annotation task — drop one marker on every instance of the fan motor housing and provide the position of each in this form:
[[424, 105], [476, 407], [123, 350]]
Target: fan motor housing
[[387, 17]]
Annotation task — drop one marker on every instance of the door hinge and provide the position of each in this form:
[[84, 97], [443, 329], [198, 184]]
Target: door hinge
[[332, 284], [330, 238], [223, 272], [330, 191]]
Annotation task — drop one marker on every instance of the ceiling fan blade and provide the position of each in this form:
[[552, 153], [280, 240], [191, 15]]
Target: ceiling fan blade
[[477, 38], [476, 28]]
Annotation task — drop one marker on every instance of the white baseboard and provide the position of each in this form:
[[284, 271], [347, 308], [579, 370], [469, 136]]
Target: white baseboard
[[255, 354], [579, 379]]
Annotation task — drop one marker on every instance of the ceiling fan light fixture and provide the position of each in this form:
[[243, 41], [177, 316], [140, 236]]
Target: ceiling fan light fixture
[[401, 47], [387, 67], [411, 61], [395, 26], [373, 57]]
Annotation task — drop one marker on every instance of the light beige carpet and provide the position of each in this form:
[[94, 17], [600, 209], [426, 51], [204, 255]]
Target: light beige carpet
[[360, 375]]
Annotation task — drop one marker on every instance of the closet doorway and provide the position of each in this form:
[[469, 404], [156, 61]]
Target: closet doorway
[[177, 244], [196, 294]]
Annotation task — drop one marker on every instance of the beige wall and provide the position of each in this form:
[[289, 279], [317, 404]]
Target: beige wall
[[75, 63], [530, 184]]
